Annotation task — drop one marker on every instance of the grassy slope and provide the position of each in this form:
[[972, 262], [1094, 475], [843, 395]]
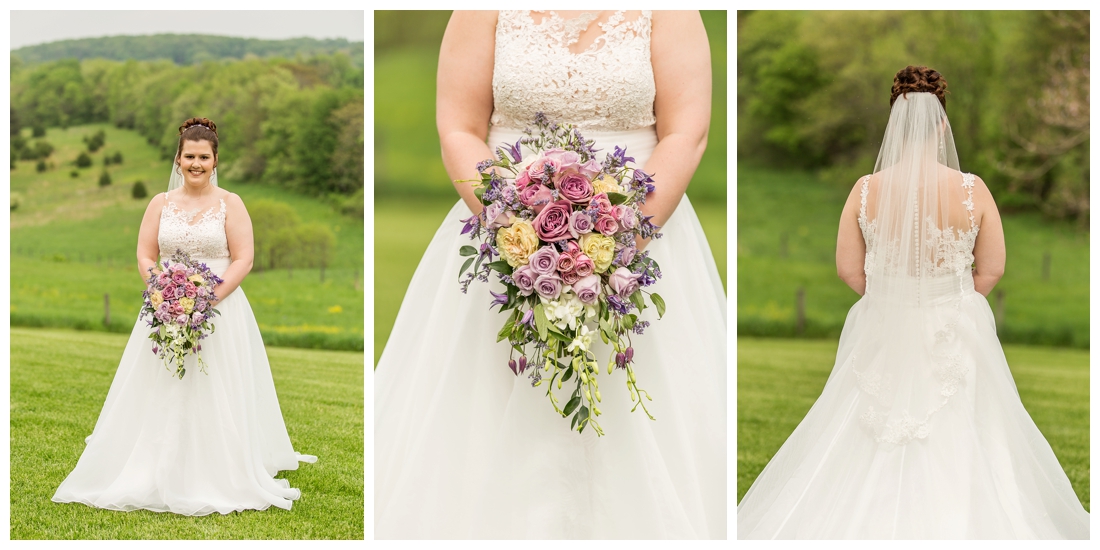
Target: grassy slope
[[779, 380], [773, 203], [59, 380], [64, 223]]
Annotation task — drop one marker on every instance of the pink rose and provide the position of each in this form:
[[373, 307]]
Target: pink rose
[[590, 169], [601, 202], [575, 188], [175, 309], [587, 289], [579, 224], [570, 277], [169, 292], [626, 216], [543, 166], [566, 262], [567, 161], [179, 277], [524, 277], [536, 196], [585, 266], [607, 225], [552, 224], [164, 279], [522, 179], [623, 282], [544, 261]]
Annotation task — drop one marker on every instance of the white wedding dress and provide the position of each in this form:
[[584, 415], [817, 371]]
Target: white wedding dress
[[207, 443], [466, 449], [919, 432]]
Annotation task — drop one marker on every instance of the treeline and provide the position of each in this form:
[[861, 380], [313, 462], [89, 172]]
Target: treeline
[[295, 123], [185, 49], [814, 91]]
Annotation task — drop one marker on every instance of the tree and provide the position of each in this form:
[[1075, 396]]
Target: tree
[[138, 190], [268, 218], [83, 160], [104, 179]]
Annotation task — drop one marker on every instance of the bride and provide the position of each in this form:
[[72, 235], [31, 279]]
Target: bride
[[207, 442], [464, 448], [919, 432]]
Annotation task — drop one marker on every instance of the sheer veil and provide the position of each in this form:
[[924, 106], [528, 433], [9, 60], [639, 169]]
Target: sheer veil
[[914, 196]]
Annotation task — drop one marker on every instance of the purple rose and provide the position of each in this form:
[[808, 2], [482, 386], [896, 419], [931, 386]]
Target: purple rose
[[200, 304], [626, 216], [197, 319], [552, 224], [182, 319], [626, 255], [544, 261], [575, 188], [623, 282], [548, 286], [607, 225], [496, 215], [588, 289], [536, 196], [589, 169], [524, 277], [579, 224], [508, 193], [585, 266], [163, 316]]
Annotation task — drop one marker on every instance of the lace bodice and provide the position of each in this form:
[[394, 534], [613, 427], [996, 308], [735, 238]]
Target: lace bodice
[[607, 87], [203, 239], [953, 249]]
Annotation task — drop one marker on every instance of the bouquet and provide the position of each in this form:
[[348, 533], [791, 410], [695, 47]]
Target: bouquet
[[565, 227], [178, 300]]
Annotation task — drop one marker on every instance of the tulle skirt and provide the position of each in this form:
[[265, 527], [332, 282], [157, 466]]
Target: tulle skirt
[[919, 433], [466, 449], [207, 443]]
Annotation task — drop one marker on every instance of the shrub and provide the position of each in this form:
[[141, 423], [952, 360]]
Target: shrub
[[96, 141], [138, 190], [38, 130], [16, 199], [117, 159], [104, 179], [83, 160], [74, 174], [41, 166]]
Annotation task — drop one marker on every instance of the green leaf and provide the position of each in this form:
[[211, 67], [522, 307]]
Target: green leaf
[[638, 300], [628, 321], [501, 266], [568, 374], [573, 424], [465, 265], [541, 322], [572, 405], [659, 303], [467, 250], [582, 418], [507, 330], [618, 198], [478, 192]]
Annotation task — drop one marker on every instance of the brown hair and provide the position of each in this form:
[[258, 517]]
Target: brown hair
[[914, 79], [198, 129]]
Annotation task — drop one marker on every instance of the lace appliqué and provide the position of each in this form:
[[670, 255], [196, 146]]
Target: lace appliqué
[[952, 249], [607, 87], [204, 239]]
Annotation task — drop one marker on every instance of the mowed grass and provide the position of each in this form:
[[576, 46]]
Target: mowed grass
[[397, 253], [73, 241], [778, 380], [59, 380], [774, 206]]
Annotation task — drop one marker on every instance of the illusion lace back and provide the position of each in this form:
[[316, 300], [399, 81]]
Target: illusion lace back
[[607, 86], [207, 443], [202, 239]]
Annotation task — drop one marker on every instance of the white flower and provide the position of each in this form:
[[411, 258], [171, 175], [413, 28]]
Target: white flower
[[582, 341], [565, 311]]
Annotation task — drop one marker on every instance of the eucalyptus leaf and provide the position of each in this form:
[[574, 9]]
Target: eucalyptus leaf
[[659, 303]]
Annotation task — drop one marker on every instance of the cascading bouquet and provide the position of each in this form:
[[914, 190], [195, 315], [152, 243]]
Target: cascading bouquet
[[178, 300], [565, 226]]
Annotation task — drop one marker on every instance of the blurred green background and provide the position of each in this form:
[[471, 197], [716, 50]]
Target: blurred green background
[[813, 91], [92, 141], [411, 187]]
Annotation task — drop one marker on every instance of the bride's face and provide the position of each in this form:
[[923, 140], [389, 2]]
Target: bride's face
[[197, 162]]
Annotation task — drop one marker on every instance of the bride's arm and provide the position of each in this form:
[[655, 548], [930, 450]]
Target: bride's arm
[[850, 247], [238, 235], [464, 97], [681, 71], [989, 249], [148, 249]]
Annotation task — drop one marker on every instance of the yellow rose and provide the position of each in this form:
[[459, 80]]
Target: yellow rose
[[156, 299], [606, 184], [187, 304], [196, 278], [600, 248], [517, 242]]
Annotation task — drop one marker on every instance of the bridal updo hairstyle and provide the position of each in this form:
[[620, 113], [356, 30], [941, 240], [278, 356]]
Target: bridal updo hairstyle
[[914, 79], [198, 129]]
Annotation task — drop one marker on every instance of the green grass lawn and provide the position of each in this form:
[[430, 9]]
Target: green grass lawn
[[397, 253], [778, 381], [59, 380], [775, 206], [73, 241]]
